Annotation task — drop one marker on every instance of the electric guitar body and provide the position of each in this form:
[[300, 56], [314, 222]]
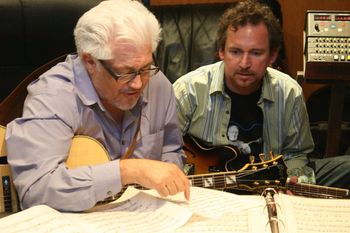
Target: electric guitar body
[[212, 158]]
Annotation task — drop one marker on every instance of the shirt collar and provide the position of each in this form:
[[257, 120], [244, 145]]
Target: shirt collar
[[268, 93], [217, 70]]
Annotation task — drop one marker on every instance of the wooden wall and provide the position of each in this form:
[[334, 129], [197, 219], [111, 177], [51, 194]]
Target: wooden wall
[[183, 2]]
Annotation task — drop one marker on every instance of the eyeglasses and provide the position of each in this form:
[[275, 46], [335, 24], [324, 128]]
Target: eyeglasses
[[125, 78]]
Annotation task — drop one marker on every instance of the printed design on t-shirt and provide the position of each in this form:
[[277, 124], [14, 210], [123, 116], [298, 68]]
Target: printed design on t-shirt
[[247, 140]]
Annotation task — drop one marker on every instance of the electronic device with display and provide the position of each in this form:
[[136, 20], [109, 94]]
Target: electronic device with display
[[327, 46]]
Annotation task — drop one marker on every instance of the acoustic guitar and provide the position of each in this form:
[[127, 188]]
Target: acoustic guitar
[[203, 159], [8, 195]]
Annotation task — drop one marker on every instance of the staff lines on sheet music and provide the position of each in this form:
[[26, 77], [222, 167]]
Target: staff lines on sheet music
[[52, 225], [227, 223], [328, 216]]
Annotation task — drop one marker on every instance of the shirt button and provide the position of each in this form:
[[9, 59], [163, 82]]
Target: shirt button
[[123, 142], [223, 135], [227, 111]]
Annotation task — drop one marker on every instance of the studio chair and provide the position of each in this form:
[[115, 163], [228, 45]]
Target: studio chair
[[10, 108]]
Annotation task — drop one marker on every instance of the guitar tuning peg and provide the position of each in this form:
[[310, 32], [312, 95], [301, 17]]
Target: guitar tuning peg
[[277, 182], [262, 157], [256, 183], [251, 158], [272, 156]]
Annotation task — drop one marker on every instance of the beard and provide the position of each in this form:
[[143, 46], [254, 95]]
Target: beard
[[125, 102]]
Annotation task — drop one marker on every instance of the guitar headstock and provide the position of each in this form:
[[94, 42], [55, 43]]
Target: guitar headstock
[[255, 177], [252, 177]]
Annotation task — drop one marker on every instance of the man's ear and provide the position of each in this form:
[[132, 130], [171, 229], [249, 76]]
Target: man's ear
[[89, 62], [273, 56], [221, 53]]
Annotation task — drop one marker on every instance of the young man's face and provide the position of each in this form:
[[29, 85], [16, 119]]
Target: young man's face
[[246, 56]]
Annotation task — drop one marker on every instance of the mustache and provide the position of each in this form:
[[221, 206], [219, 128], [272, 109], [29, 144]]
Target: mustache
[[129, 90], [245, 72]]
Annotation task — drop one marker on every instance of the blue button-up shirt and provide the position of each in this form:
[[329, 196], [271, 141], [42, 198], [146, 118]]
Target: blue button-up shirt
[[63, 103]]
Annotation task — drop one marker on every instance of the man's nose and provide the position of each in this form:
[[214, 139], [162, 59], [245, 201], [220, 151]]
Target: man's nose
[[245, 61], [136, 82]]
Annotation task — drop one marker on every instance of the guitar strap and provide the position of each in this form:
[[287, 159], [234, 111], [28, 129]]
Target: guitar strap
[[133, 142]]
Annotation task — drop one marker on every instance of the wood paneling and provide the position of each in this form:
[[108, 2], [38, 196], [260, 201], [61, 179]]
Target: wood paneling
[[184, 2]]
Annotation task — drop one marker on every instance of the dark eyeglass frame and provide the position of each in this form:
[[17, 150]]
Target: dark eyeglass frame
[[125, 78]]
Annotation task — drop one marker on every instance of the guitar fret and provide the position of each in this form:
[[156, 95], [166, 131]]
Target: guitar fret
[[218, 182]]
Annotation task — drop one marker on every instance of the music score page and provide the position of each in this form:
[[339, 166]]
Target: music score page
[[311, 215], [206, 211]]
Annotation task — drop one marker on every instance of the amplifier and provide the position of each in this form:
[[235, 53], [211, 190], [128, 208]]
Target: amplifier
[[327, 46]]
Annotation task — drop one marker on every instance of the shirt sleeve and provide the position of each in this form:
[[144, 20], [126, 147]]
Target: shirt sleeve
[[38, 145], [172, 147], [299, 142], [184, 104]]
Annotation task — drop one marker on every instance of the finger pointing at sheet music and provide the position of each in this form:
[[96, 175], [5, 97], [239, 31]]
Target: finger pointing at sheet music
[[165, 178]]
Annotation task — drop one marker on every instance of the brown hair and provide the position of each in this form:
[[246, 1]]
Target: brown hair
[[249, 12]]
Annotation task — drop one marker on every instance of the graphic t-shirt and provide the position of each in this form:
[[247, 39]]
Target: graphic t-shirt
[[246, 120]]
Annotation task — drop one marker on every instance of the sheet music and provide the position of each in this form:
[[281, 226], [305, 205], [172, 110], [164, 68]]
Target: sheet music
[[311, 215], [142, 213], [227, 223], [40, 219], [211, 203], [207, 211]]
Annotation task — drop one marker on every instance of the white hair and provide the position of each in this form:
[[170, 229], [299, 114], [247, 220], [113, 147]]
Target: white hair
[[116, 21]]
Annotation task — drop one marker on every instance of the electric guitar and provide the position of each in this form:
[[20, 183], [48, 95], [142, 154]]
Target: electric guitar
[[204, 159]]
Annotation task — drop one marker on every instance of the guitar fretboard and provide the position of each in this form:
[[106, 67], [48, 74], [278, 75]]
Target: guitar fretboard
[[317, 191], [214, 181]]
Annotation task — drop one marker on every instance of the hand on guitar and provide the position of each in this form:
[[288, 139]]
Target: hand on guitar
[[292, 180], [166, 178]]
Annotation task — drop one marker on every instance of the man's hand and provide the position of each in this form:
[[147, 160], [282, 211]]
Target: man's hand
[[292, 180], [166, 178]]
